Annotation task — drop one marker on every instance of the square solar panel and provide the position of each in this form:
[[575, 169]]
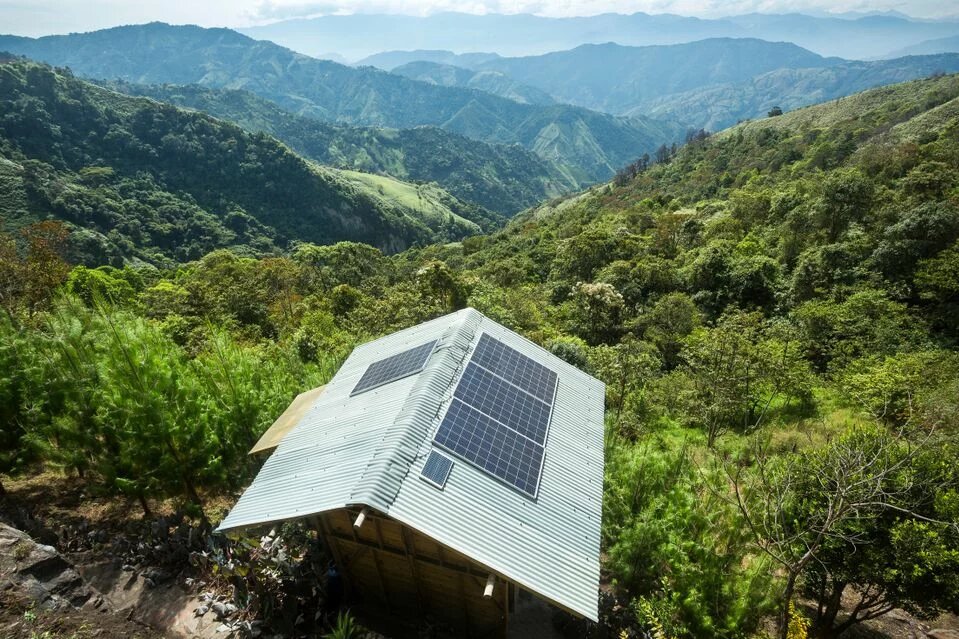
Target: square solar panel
[[499, 416], [395, 367], [437, 468], [504, 402], [500, 451], [516, 368]]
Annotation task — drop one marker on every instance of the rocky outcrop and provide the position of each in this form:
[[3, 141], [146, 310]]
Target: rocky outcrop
[[40, 573]]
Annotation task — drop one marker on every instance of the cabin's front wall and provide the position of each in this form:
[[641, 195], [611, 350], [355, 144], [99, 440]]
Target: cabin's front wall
[[409, 574]]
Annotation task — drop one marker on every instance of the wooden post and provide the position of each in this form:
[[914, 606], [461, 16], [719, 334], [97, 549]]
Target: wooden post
[[414, 573]]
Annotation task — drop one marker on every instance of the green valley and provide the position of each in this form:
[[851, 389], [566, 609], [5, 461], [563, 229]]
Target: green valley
[[501, 178], [139, 179]]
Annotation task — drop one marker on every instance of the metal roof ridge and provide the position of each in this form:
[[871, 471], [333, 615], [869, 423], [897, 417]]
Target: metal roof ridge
[[399, 447]]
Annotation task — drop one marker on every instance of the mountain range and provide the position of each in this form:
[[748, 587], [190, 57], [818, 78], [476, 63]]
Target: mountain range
[[707, 84], [502, 178], [138, 180], [360, 35], [589, 145]]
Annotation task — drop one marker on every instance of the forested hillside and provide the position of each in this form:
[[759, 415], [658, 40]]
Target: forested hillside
[[590, 145], [616, 79], [139, 179], [499, 177], [717, 107], [493, 82], [773, 310]]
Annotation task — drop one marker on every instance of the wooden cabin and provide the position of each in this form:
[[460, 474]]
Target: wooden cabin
[[447, 467]]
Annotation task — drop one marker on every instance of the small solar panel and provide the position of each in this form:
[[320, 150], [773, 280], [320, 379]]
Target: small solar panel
[[499, 416], [437, 468], [516, 368], [395, 367]]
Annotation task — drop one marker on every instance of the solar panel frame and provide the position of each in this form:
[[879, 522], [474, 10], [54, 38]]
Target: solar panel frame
[[381, 372], [438, 441], [428, 473]]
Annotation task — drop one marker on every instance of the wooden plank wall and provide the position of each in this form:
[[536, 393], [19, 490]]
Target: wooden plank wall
[[410, 574]]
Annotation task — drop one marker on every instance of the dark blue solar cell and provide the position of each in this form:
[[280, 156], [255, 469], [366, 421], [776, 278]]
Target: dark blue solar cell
[[504, 402], [437, 468], [515, 368], [394, 367], [492, 446]]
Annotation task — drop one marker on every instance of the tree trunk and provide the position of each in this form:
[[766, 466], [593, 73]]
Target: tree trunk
[[784, 617], [826, 623], [144, 505], [3, 491]]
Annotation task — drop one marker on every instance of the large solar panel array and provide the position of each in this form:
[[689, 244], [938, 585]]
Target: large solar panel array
[[394, 367], [499, 415]]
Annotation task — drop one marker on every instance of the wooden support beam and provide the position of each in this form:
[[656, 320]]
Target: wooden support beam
[[414, 573], [402, 553]]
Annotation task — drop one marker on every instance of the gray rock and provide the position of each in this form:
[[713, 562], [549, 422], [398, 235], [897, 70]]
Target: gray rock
[[40, 572]]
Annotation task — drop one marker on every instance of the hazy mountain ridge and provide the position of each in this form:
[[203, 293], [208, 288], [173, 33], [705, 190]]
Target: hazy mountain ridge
[[718, 107], [361, 35], [615, 78], [389, 60], [647, 80], [591, 145], [139, 179], [929, 47], [489, 81]]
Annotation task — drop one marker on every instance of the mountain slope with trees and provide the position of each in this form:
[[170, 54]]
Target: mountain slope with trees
[[137, 178], [718, 107], [615, 78], [501, 178], [490, 81], [590, 145]]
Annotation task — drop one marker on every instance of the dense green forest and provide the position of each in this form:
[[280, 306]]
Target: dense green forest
[[773, 309], [589, 145], [498, 177], [137, 179]]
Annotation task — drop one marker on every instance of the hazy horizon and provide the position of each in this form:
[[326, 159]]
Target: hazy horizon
[[49, 17]]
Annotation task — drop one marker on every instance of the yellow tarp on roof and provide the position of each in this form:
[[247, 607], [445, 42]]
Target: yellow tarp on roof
[[285, 422]]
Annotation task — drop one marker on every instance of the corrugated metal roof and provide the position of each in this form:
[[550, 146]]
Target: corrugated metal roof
[[369, 450]]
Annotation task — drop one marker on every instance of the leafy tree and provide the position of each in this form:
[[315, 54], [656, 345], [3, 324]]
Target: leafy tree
[[834, 517]]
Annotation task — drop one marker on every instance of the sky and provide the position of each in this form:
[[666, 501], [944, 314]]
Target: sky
[[41, 17]]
